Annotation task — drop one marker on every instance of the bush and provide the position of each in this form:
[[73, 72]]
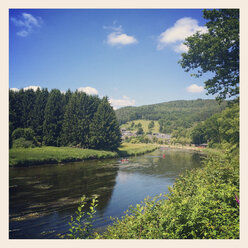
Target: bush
[[82, 225], [24, 137], [22, 143]]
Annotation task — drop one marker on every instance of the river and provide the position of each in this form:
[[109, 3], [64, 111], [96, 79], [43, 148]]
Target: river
[[42, 198]]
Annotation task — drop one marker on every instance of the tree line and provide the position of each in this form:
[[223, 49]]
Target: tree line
[[219, 129], [62, 119]]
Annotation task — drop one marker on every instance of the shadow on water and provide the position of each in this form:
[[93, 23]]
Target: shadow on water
[[42, 198]]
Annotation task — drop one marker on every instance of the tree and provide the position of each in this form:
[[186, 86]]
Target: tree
[[78, 115], [151, 125], [54, 114], [38, 113], [140, 131], [14, 111], [104, 128], [198, 134], [212, 129], [216, 51]]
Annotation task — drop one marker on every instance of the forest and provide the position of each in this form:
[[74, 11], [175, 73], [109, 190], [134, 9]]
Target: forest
[[52, 118], [173, 114]]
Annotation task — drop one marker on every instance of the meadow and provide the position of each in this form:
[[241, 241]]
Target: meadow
[[54, 155]]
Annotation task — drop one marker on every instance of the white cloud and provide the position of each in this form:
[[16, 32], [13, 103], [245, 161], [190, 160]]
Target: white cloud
[[27, 23], [31, 87], [176, 34], [117, 38], [88, 90], [181, 48], [34, 88], [14, 89], [193, 88], [125, 101]]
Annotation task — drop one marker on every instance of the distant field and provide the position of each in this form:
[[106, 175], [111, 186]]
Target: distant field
[[144, 124]]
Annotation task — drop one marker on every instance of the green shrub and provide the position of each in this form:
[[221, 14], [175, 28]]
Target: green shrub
[[22, 143], [82, 225], [24, 138]]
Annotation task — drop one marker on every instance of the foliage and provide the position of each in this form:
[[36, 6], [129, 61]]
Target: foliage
[[38, 113], [54, 114], [22, 143], [197, 134], [23, 137], [104, 128], [171, 115], [151, 125], [201, 205], [221, 128], [216, 51], [81, 225], [63, 118], [140, 131]]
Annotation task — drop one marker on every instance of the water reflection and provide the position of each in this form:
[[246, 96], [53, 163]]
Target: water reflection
[[42, 198]]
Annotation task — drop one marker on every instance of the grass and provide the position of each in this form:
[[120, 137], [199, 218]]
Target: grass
[[128, 149], [144, 124], [53, 155]]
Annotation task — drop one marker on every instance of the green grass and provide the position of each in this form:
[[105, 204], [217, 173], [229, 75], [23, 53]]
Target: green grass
[[144, 124], [50, 155], [128, 149]]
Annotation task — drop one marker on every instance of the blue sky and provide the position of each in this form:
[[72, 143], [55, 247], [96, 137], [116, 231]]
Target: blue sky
[[131, 56]]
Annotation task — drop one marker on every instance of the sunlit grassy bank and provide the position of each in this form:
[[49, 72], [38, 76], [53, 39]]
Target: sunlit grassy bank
[[49, 154]]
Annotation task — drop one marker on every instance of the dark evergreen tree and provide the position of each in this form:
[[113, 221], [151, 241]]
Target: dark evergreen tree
[[38, 113], [15, 110], [68, 95], [70, 127], [54, 114], [104, 128], [28, 102]]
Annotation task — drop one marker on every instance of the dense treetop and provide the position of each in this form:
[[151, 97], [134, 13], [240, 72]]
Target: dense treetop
[[216, 51]]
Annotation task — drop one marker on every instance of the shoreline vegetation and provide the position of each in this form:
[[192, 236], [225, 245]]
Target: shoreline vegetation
[[21, 157]]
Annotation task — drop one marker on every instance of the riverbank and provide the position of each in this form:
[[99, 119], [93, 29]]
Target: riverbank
[[54, 155], [203, 150]]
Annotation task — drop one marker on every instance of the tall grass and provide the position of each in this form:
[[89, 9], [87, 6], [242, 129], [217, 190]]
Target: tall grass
[[50, 155]]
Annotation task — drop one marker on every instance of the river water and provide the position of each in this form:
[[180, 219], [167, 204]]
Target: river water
[[42, 198]]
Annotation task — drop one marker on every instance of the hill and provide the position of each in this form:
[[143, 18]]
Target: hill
[[144, 126], [173, 114]]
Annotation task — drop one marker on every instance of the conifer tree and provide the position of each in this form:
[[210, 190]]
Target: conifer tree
[[15, 110], [38, 113], [28, 102], [104, 129], [70, 122], [54, 114]]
